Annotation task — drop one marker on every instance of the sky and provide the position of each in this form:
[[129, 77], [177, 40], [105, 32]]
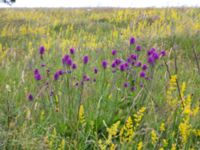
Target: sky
[[104, 3]]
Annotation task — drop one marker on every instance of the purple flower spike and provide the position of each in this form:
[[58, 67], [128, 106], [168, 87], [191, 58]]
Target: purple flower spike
[[142, 74], [95, 70], [56, 76], [114, 52], [104, 64], [118, 61], [64, 59], [85, 59], [138, 48], [30, 97], [144, 67], [72, 50], [37, 76], [151, 60], [74, 66], [41, 50], [162, 53], [132, 40]]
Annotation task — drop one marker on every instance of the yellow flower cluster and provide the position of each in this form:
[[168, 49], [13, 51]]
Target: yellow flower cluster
[[138, 116], [172, 87], [127, 132], [140, 145], [82, 116], [154, 137]]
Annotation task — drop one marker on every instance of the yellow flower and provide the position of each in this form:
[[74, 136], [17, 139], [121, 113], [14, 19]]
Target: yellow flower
[[140, 145], [173, 147], [162, 127], [154, 137], [184, 129], [127, 132], [138, 116], [82, 115]]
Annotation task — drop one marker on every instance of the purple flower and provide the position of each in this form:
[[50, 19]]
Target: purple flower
[[69, 61], [118, 61], [151, 60], [134, 56], [126, 64], [95, 70], [142, 74], [56, 76], [36, 71], [104, 64], [113, 65], [162, 53], [138, 48], [144, 67], [129, 60], [74, 66], [43, 65], [72, 50], [138, 64], [122, 67], [114, 52], [125, 84], [60, 72], [64, 59], [37, 76], [85, 59], [41, 50], [132, 40], [30, 97], [155, 55]]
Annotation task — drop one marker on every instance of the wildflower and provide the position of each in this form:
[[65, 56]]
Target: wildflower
[[151, 51], [132, 40], [138, 64], [142, 74], [104, 64], [162, 53], [112, 131], [154, 137], [140, 145], [43, 65], [41, 50], [122, 67], [127, 132], [37, 76], [118, 61], [138, 116], [60, 72], [56, 76], [74, 66], [36, 71], [173, 147], [64, 59], [101, 145], [144, 67], [155, 55], [95, 70], [82, 115], [85, 59], [138, 48], [69, 62], [162, 127], [125, 84], [134, 56], [114, 52], [72, 50], [184, 129], [151, 60], [113, 65], [30, 97]]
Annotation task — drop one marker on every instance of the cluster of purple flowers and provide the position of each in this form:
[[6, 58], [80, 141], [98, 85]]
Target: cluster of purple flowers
[[154, 55], [37, 75]]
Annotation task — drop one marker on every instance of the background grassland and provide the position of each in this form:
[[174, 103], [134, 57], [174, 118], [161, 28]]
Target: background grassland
[[94, 32]]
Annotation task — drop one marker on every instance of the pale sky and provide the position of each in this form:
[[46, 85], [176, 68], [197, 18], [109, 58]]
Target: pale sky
[[104, 3]]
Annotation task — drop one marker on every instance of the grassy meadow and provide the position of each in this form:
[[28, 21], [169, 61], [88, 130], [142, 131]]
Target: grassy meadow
[[100, 79]]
